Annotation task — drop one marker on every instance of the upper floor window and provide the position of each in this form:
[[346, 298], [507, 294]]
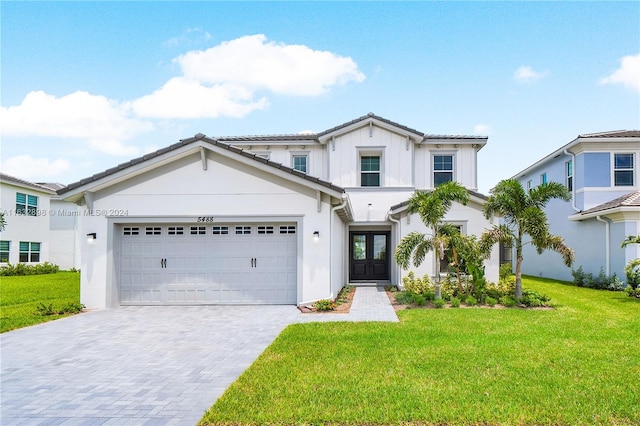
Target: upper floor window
[[4, 251], [26, 204], [299, 162], [29, 252], [623, 169], [568, 168], [370, 170], [442, 169], [543, 179]]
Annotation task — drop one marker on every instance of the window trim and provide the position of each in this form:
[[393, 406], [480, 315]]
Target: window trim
[[543, 178], [433, 166], [28, 208], [529, 185], [632, 169], [7, 251], [371, 153], [30, 252]]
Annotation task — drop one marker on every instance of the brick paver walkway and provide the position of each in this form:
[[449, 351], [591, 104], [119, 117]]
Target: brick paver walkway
[[144, 365]]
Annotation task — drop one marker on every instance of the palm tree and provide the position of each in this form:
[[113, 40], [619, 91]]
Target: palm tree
[[523, 214], [431, 206]]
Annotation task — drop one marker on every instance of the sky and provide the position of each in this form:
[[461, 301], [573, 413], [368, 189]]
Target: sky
[[88, 85]]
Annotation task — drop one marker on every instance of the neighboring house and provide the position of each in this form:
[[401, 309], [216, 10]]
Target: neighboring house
[[601, 171], [285, 219], [35, 230]]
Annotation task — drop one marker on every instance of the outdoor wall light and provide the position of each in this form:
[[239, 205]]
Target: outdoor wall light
[[369, 206], [91, 238], [316, 236]]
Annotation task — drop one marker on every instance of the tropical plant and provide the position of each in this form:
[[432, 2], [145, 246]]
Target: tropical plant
[[632, 269], [523, 214], [431, 206]]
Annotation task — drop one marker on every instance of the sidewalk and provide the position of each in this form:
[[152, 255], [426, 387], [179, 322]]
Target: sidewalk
[[369, 304]]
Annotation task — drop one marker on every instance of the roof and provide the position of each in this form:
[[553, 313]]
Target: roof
[[367, 117], [580, 138], [54, 186], [185, 142], [310, 137], [631, 199], [24, 183], [473, 194]]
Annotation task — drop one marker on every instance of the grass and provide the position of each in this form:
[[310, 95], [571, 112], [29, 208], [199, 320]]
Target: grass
[[576, 365], [20, 296]]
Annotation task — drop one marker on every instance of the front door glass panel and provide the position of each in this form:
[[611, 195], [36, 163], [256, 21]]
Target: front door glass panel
[[359, 247], [379, 247]]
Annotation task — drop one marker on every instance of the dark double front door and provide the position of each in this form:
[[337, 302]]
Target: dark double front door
[[369, 253]]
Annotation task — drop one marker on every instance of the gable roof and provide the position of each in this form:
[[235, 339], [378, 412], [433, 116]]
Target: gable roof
[[474, 196], [188, 145], [368, 117], [609, 136], [630, 201], [25, 183]]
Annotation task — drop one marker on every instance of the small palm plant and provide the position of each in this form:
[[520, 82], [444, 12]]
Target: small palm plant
[[431, 206]]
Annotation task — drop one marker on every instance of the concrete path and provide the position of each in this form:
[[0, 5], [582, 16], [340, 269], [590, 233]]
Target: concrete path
[[144, 365]]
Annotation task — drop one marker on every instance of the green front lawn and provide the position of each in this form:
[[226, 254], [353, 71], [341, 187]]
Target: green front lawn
[[577, 364], [20, 296]]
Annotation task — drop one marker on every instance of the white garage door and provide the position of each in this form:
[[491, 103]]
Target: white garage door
[[207, 264]]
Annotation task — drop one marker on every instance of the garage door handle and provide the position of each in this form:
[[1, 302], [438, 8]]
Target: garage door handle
[[163, 263]]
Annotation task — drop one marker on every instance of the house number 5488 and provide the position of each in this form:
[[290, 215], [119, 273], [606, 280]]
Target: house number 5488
[[205, 219]]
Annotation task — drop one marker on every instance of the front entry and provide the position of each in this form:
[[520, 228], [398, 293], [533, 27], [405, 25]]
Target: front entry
[[369, 255]]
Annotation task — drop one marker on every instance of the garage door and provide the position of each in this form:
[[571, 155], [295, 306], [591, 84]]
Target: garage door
[[187, 264]]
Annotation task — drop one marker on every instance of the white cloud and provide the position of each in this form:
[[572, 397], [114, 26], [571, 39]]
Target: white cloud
[[28, 167], [255, 63], [79, 115], [188, 98], [526, 74], [189, 36], [628, 74], [481, 129]]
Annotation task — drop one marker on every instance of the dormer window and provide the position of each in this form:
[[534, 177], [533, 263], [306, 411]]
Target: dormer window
[[370, 170], [442, 169], [300, 162], [623, 169]]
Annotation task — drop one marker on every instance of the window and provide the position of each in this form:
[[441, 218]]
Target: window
[[176, 230], [4, 251], [198, 230], [623, 169], [370, 170], [529, 186], [299, 162], [26, 204], [130, 230], [29, 252], [543, 179], [568, 167], [243, 230], [153, 230], [220, 230], [290, 229], [442, 169], [506, 254], [265, 229]]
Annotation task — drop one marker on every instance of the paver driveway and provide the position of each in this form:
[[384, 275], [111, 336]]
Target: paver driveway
[[132, 365]]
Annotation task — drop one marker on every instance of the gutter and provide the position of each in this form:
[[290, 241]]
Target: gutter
[[345, 200], [573, 187], [397, 222], [607, 242]]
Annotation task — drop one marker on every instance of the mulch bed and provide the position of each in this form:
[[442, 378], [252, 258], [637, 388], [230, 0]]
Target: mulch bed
[[343, 306]]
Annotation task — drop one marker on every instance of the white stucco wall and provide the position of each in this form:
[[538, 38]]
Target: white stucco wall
[[180, 192]]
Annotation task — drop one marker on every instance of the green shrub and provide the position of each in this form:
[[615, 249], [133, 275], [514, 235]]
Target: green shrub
[[631, 292], [343, 295], [455, 302], [417, 285], [439, 303], [533, 299], [471, 301], [490, 301], [22, 269], [600, 282], [69, 308], [508, 301], [419, 299], [632, 271], [325, 305], [404, 297], [505, 271]]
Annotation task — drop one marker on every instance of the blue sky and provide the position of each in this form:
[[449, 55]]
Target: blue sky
[[87, 85]]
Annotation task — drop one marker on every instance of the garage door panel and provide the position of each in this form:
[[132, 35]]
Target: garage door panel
[[228, 264]]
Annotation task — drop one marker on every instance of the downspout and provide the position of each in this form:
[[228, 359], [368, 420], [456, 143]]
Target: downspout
[[397, 222], [573, 187], [607, 242], [333, 211]]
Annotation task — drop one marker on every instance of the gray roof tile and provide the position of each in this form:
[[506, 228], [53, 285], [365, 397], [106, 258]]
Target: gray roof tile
[[40, 187], [631, 199]]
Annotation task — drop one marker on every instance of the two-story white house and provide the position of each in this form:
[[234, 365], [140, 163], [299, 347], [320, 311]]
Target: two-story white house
[[601, 171], [39, 226], [287, 219]]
